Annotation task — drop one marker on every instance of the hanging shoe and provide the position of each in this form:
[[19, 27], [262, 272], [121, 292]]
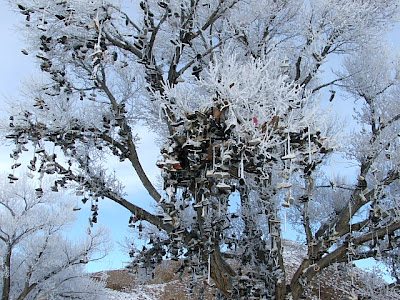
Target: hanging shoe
[[255, 142], [40, 150], [223, 186], [12, 177], [283, 185], [16, 165], [289, 156]]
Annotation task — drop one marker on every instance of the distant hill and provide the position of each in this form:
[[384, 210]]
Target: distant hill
[[333, 283]]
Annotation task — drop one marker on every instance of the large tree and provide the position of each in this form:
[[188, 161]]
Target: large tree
[[232, 87], [36, 260]]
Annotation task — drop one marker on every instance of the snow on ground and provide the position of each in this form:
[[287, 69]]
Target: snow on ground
[[115, 295], [136, 295], [140, 292]]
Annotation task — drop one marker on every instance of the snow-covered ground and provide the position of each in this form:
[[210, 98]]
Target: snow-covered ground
[[135, 295], [141, 292], [115, 295]]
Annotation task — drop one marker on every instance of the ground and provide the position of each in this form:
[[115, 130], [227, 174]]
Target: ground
[[333, 283]]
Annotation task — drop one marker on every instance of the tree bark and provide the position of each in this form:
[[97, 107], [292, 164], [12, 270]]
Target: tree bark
[[280, 283], [134, 158], [7, 274], [26, 291], [222, 273]]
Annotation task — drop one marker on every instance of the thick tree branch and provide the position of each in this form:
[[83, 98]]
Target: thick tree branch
[[140, 213], [190, 63], [155, 31], [129, 147], [123, 45], [216, 14]]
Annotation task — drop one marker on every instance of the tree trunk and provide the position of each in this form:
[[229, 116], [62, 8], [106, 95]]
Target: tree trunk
[[280, 283], [221, 273], [7, 275], [297, 290]]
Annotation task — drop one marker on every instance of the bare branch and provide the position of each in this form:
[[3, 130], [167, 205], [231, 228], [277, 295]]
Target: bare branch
[[129, 147]]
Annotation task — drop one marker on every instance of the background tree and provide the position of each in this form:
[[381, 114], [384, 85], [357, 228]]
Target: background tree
[[232, 87], [36, 259]]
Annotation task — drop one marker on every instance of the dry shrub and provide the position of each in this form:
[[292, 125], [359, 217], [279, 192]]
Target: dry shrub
[[118, 280]]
